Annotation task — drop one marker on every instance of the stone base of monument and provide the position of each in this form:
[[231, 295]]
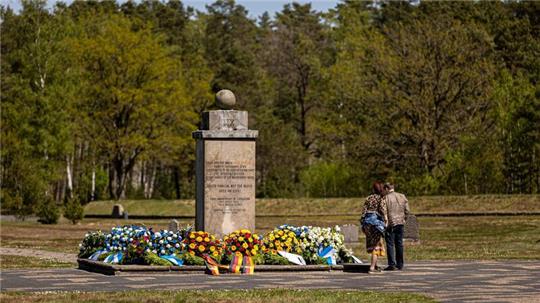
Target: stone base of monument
[[115, 269], [355, 267]]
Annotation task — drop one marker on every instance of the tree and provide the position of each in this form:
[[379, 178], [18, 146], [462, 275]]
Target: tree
[[37, 95], [426, 98], [300, 48], [135, 100]]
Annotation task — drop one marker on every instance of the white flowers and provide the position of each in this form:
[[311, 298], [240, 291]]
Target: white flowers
[[313, 238]]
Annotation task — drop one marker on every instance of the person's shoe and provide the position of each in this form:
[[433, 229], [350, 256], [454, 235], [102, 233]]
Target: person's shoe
[[399, 268], [377, 268], [374, 271], [390, 268]]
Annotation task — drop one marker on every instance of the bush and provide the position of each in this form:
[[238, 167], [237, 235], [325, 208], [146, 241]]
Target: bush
[[73, 210], [48, 211], [331, 179], [15, 205]]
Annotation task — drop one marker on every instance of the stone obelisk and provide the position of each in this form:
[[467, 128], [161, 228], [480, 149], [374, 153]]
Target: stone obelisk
[[225, 169]]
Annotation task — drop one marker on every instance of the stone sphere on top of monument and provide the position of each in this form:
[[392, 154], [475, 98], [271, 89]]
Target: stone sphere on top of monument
[[225, 99]]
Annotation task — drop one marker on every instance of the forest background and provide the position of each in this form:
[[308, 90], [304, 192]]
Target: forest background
[[99, 99]]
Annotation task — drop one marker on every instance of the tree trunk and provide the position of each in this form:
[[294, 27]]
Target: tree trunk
[[69, 173], [149, 184], [177, 181], [93, 188], [112, 180]]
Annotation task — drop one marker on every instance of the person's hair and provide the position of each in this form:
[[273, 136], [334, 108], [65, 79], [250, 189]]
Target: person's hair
[[378, 188], [388, 186]]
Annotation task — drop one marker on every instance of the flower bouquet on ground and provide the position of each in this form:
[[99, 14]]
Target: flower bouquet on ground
[[242, 242], [91, 242], [322, 245], [242, 248], [282, 239], [133, 244], [200, 243]]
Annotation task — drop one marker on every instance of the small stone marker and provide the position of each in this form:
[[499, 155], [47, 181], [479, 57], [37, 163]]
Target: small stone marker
[[411, 229], [117, 211], [174, 225], [225, 169], [350, 233]]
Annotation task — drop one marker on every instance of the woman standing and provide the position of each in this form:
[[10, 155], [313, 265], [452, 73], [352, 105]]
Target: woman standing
[[374, 220]]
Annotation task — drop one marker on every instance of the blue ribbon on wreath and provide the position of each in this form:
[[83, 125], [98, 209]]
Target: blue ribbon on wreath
[[114, 258], [95, 255], [173, 259], [328, 254]]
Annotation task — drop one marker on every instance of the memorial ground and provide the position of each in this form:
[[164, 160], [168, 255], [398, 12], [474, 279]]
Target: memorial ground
[[489, 258]]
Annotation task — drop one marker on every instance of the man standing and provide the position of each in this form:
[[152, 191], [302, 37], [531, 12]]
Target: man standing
[[398, 209]]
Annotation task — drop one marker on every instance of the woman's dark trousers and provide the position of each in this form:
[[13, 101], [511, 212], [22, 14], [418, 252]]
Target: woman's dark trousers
[[394, 239]]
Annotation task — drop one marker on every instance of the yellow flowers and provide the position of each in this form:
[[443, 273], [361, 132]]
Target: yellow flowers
[[242, 241], [279, 239], [200, 243]]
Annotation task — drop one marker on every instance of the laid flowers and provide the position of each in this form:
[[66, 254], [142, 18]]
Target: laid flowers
[[199, 243], [282, 239], [286, 244], [242, 242], [133, 244]]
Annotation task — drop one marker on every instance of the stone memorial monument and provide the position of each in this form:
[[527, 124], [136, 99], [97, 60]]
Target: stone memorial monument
[[225, 169], [350, 235], [411, 230]]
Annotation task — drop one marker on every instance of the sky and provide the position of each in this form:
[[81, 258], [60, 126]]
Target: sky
[[254, 7]]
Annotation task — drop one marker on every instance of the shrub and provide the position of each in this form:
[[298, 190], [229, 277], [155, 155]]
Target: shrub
[[73, 210], [48, 211], [15, 205]]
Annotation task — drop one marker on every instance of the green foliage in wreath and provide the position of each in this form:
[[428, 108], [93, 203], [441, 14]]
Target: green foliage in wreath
[[91, 243], [275, 259], [192, 260], [151, 258]]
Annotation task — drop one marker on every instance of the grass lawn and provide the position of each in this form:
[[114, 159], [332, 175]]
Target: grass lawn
[[332, 206], [251, 296], [64, 237], [12, 262]]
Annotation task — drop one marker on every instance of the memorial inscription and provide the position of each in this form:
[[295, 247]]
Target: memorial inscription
[[229, 173]]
